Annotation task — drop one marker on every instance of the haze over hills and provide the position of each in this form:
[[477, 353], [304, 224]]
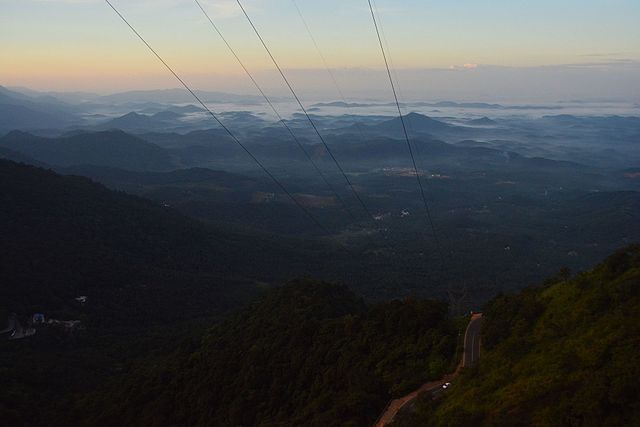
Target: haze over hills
[[515, 193], [127, 251], [118, 245], [164, 96], [141, 264], [484, 121], [473, 163], [473, 184], [415, 122], [18, 111], [287, 214], [177, 96], [110, 148]]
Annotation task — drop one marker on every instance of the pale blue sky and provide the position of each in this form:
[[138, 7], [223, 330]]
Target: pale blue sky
[[63, 44]]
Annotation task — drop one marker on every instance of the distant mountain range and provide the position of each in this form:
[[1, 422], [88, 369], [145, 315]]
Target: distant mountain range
[[45, 111], [109, 148], [186, 109], [166, 96], [178, 96], [623, 123], [343, 104], [134, 122], [607, 141], [18, 111], [180, 119], [439, 104], [484, 121], [415, 122], [160, 151], [392, 127]]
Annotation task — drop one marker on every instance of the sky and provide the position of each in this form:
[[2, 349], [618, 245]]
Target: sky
[[463, 49]]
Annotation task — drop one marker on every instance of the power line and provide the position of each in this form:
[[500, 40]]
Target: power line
[[315, 44], [227, 130], [406, 135], [273, 108], [393, 68], [332, 75], [326, 66], [455, 303], [304, 110], [391, 64]]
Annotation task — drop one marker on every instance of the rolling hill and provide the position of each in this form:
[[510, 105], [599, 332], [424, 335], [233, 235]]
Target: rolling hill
[[560, 353], [306, 353], [415, 123], [152, 279], [19, 111], [108, 148], [141, 123], [67, 236], [64, 236]]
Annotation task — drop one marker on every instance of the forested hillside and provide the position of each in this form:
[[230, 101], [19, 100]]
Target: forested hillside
[[151, 277], [561, 353], [137, 261], [306, 353]]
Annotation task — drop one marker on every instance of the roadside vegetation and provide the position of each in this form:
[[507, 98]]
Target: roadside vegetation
[[561, 353]]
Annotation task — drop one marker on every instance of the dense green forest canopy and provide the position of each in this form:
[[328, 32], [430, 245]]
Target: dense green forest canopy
[[155, 280], [561, 353], [306, 353]]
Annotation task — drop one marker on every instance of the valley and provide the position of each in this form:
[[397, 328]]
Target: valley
[[141, 249]]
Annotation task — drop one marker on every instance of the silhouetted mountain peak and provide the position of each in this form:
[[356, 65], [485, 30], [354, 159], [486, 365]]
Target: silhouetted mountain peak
[[483, 121], [416, 116], [17, 134], [416, 121], [133, 114], [561, 117], [166, 115]]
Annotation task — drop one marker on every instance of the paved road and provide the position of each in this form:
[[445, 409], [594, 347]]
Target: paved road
[[470, 355], [472, 342]]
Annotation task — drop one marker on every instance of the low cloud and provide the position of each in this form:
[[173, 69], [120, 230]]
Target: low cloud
[[467, 66], [602, 54]]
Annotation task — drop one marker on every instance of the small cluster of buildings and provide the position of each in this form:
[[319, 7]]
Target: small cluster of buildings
[[39, 319], [15, 330]]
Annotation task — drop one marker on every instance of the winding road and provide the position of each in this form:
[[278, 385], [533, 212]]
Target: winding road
[[472, 342], [470, 355]]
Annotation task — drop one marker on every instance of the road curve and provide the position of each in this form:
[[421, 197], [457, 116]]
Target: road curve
[[470, 355], [471, 351]]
